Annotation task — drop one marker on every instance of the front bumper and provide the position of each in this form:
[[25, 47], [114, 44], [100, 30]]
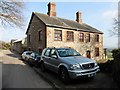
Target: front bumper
[[83, 73]]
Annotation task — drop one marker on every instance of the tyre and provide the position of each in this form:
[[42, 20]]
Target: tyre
[[64, 76], [30, 64], [25, 59], [42, 67], [91, 78]]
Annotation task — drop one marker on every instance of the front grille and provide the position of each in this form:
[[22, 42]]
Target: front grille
[[88, 66], [89, 71]]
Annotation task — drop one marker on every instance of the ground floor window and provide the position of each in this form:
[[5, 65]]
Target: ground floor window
[[96, 51]]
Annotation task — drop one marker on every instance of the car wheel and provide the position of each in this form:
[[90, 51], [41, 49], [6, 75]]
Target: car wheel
[[30, 64], [42, 67], [64, 76], [91, 78], [22, 58], [25, 59]]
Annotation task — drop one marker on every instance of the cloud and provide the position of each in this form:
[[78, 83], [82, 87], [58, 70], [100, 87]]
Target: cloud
[[110, 14]]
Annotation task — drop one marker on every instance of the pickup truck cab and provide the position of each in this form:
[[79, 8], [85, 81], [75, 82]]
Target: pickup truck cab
[[68, 63]]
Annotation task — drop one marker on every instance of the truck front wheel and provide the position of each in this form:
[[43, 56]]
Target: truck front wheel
[[64, 76], [42, 67]]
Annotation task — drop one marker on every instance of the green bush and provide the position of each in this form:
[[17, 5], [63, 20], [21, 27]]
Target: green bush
[[112, 67], [116, 65], [4, 45]]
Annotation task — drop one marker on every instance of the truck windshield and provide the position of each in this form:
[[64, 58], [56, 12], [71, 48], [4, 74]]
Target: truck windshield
[[67, 52]]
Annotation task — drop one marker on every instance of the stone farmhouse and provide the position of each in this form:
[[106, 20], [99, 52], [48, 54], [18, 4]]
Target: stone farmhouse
[[48, 30]]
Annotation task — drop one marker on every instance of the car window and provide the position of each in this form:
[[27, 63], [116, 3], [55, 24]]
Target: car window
[[53, 52], [67, 52], [47, 53], [33, 54], [28, 53]]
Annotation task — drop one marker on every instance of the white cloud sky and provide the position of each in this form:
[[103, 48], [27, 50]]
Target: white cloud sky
[[110, 14], [70, 0]]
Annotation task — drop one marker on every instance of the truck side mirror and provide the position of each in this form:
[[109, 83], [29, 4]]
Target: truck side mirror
[[54, 56]]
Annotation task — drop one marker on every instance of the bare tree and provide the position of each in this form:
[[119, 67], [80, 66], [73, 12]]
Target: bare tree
[[115, 27], [11, 13]]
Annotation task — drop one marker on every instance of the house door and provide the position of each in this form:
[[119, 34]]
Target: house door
[[88, 54]]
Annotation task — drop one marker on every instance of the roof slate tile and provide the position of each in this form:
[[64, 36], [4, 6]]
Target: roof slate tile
[[60, 22]]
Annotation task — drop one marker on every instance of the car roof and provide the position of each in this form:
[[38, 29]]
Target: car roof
[[59, 48], [28, 51]]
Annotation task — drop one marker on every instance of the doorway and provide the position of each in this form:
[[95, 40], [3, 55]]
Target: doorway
[[88, 54]]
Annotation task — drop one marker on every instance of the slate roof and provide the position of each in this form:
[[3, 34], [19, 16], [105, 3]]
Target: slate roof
[[65, 23]]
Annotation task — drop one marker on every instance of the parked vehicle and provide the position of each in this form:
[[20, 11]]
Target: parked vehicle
[[26, 55], [34, 59], [68, 63]]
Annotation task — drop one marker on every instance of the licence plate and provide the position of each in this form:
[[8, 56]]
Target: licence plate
[[90, 75]]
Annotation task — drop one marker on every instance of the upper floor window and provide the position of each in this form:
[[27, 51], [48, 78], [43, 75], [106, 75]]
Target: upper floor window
[[87, 38], [58, 35], [81, 37], [96, 38], [40, 35], [29, 38], [96, 51], [70, 36]]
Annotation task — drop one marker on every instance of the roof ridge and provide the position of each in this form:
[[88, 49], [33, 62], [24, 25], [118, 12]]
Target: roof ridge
[[57, 17], [69, 20], [63, 22]]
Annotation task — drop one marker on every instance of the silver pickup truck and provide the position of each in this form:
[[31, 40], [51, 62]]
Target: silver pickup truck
[[68, 63]]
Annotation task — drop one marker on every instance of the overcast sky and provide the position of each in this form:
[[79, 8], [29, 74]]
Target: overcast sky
[[97, 14]]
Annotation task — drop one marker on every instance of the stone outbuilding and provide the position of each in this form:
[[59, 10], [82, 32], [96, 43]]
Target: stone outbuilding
[[19, 45]]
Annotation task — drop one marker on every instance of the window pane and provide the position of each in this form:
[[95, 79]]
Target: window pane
[[81, 37], [58, 35], [29, 38], [70, 36], [96, 38], [88, 38], [47, 53], [96, 51], [40, 35]]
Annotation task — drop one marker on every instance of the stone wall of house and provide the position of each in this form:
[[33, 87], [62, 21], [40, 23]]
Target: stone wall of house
[[35, 27], [81, 47]]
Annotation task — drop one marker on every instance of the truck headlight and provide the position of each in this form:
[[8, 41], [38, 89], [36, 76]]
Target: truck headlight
[[96, 64], [75, 66]]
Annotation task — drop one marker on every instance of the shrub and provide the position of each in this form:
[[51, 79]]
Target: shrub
[[112, 67], [116, 65], [4, 45], [106, 67]]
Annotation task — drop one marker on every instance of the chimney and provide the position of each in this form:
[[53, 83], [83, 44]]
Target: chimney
[[78, 17], [51, 9]]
